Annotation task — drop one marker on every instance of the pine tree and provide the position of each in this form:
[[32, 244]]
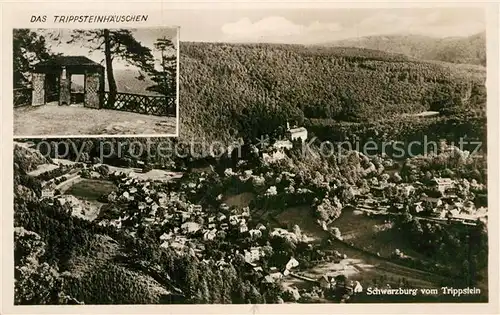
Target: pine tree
[[165, 77], [115, 43], [29, 48]]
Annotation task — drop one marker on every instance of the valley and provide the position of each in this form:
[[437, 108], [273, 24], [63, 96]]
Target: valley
[[256, 224]]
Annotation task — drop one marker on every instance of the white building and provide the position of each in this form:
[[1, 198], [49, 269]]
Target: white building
[[195, 208], [210, 235], [234, 219], [283, 144], [358, 288], [47, 193], [243, 227], [190, 227], [442, 184], [254, 233], [252, 255], [298, 133], [276, 276], [273, 157], [261, 227], [292, 263]]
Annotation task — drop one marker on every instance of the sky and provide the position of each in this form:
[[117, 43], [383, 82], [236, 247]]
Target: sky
[[146, 36], [294, 26], [312, 26]]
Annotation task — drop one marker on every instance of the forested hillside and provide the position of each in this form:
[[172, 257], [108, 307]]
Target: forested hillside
[[130, 81], [255, 88], [470, 49]]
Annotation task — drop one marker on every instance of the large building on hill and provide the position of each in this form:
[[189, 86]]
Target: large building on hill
[[296, 133]]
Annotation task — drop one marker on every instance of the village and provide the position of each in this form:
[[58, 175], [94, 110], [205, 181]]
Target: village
[[139, 202], [162, 201], [193, 230], [439, 199], [444, 206]]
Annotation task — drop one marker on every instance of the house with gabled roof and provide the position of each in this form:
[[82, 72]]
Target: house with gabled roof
[[325, 282], [442, 184]]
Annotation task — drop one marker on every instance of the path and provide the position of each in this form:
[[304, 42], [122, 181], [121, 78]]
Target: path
[[56, 120], [42, 169], [386, 264], [438, 220], [302, 277], [154, 174]]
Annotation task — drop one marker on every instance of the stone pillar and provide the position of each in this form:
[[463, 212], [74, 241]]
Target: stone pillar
[[92, 88], [38, 93], [65, 88]]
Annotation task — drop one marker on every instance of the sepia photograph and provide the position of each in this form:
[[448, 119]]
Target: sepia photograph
[[95, 82], [324, 156]]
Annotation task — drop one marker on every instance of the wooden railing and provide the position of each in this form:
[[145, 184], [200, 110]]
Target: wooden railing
[[22, 97], [142, 104]]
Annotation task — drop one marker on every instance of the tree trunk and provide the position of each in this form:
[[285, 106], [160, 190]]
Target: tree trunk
[[165, 89], [109, 69]]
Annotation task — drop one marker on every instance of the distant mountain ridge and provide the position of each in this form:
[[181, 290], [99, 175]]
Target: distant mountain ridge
[[465, 50], [127, 82]]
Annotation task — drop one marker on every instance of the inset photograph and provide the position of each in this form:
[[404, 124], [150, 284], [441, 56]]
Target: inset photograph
[[95, 82]]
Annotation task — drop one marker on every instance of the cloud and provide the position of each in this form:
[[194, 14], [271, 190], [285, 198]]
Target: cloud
[[275, 28], [431, 24], [322, 27]]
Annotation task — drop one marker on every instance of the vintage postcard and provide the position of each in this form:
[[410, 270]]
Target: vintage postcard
[[94, 82], [328, 158]]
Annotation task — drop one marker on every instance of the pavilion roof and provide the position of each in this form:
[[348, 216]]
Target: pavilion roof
[[67, 61]]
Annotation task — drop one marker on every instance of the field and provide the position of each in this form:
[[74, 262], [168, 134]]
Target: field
[[240, 200], [91, 189], [302, 216], [371, 234]]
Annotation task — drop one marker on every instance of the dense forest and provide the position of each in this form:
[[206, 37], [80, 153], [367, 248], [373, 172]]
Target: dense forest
[[230, 91], [254, 89]]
